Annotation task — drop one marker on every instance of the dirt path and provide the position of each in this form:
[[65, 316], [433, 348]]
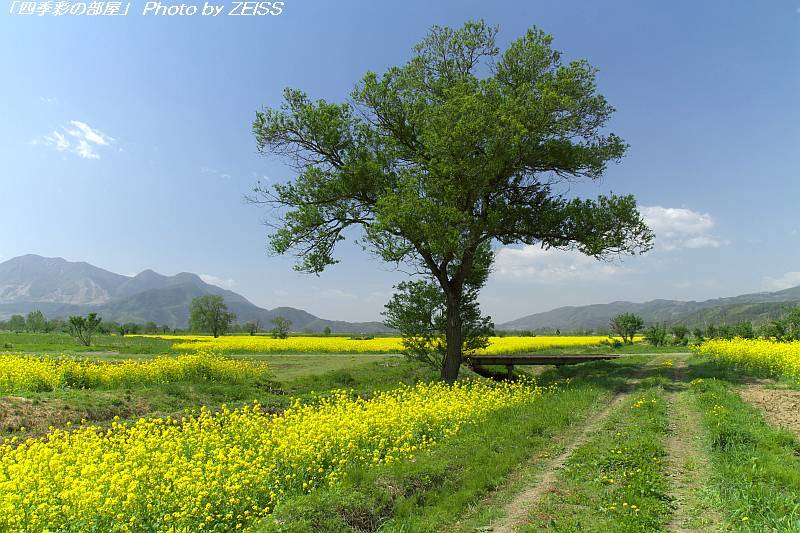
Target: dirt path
[[515, 512], [781, 407], [687, 460]]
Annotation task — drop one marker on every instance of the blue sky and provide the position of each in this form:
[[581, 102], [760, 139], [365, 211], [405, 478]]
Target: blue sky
[[126, 142]]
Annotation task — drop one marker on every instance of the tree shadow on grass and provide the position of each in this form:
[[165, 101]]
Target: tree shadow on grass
[[614, 375]]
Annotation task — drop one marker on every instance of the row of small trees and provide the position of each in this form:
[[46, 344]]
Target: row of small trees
[[208, 314], [628, 325], [35, 322]]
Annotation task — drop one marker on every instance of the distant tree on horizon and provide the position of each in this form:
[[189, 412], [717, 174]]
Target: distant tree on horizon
[[83, 328], [209, 314], [253, 327], [35, 321], [626, 325], [16, 323], [680, 333], [656, 334], [281, 329], [437, 160]]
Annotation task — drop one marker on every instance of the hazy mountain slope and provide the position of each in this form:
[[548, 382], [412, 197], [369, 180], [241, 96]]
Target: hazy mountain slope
[[757, 307], [32, 278], [758, 313], [60, 288]]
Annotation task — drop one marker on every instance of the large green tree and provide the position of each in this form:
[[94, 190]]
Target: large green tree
[[462, 147], [210, 314], [626, 325], [35, 321]]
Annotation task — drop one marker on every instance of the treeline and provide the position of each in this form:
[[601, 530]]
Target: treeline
[[544, 331], [208, 314], [35, 322], [628, 325]]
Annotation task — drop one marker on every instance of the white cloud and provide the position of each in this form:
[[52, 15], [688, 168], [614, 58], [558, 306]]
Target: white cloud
[[48, 100], [378, 296], [85, 150], [58, 141], [678, 227], [83, 130], [78, 138], [336, 294], [787, 280], [532, 263], [215, 172], [219, 282]]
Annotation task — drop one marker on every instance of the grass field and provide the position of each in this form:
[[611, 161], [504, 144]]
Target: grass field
[[63, 343], [655, 440]]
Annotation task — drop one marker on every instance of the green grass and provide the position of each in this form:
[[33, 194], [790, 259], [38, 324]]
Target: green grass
[[466, 482], [289, 367], [63, 343], [435, 487], [617, 480], [756, 465], [439, 485]]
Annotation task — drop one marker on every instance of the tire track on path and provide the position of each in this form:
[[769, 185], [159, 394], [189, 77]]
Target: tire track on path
[[515, 513], [688, 463]]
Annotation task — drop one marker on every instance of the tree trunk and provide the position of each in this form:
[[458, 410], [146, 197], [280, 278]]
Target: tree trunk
[[453, 335]]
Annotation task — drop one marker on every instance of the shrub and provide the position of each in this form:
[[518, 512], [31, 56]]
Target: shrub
[[656, 334]]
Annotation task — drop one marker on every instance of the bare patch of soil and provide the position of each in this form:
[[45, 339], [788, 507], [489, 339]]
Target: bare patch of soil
[[781, 407], [37, 416], [17, 412]]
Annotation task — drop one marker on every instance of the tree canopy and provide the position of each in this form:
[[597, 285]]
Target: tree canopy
[[83, 328], [626, 325], [462, 148], [210, 314]]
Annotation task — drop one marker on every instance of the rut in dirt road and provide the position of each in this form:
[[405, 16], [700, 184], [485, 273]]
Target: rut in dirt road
[[687, 461], [516, 511]]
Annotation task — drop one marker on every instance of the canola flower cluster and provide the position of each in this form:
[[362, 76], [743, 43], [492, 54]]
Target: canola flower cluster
[[264, 344], [776, 358], [220, 471], [20, 372]]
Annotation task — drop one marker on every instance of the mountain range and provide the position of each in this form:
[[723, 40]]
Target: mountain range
[[60, 288], [757, 307]]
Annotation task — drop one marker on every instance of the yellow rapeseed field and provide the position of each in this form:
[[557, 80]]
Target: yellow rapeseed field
[[777, 358], [20, 372], [264, 344], [220, 471]]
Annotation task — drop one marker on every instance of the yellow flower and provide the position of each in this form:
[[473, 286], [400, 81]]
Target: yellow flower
[[778, 358], [20, 372], [264, 344], [214, 470]]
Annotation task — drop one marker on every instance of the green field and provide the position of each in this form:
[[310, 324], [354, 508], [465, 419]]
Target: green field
[[63, 343], [655, 440]]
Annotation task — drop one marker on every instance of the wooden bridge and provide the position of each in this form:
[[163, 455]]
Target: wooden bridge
[[509, 361]]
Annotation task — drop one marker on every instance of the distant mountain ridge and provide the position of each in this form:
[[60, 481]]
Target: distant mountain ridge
[[756, 307], [60, 288]]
